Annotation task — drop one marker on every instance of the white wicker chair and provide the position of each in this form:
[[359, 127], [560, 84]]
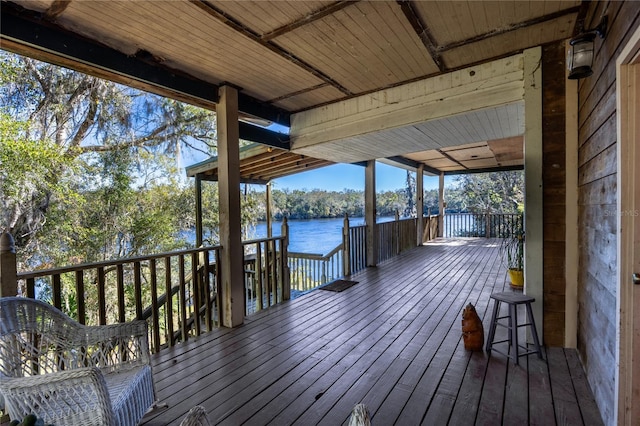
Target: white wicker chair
[[71, 374], [197, 416]]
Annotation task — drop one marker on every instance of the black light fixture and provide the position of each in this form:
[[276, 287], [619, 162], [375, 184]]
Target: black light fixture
[[580, 59]]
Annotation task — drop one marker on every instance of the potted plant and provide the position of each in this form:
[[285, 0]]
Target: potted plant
[[512, 250]]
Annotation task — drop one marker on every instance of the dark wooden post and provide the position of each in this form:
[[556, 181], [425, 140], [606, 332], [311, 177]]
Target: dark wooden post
[[420, 203], [441, 205], [346, 247], [8, 268], [286, 278]]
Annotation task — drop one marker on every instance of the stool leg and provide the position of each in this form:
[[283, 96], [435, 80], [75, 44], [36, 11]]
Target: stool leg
[[534, 333], [492, 326], [513, 320]]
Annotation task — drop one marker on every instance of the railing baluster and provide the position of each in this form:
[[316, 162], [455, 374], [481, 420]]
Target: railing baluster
[[80, 296], [168, 310], [102, 308], [207, 289], [31, 288], [259, 290], [120, 290], [183, 295], [195, 284], [57, 291], [155, 324]]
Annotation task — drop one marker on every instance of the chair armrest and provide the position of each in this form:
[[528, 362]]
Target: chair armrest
[[72, 397], [118, 346]]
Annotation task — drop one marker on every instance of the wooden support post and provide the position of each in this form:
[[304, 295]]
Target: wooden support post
[[8, 268], [199, 229], [269, 218], [533, 199], [286, 278], [231, 255], [370, 212], [346, 247], [441, 205], [420, 205]]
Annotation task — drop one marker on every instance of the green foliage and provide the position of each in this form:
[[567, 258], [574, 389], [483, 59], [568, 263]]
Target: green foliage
[[501, 192], [512, 250]]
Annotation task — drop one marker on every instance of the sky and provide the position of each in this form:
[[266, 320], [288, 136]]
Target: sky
[[347, 176]]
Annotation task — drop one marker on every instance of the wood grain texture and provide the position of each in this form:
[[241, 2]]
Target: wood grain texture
[[597, 202], [392, 342]]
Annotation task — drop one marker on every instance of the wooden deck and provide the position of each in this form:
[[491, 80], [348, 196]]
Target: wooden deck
[[393, 342]]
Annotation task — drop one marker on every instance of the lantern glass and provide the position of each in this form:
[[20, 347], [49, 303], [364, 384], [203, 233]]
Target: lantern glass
[[581, 57]]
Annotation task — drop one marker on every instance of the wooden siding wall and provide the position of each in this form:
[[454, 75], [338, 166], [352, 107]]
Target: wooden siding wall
[[597, 165], [554, 191]]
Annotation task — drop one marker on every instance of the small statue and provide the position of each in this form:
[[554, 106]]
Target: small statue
[[472, 330]]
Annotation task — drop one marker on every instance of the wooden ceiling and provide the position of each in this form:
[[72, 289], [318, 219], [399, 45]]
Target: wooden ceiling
[[286, 56]]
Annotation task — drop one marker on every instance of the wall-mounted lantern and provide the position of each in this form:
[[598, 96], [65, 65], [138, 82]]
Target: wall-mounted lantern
[[580, 59]]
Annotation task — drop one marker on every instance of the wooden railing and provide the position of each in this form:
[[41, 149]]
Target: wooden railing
[[430, 227], [489, 225], [395, 237], [177, 292], [309, 271], [266, 273]]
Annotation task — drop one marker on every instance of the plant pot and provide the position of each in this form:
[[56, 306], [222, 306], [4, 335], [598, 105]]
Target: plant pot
[[516, 276]]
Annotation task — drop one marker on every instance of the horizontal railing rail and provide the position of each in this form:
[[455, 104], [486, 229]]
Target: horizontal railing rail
[[310, 271], [489, 225], [168, 290], [266, 273]]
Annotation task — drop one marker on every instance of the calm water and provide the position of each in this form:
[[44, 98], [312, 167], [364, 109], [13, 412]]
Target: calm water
[[318, 236]]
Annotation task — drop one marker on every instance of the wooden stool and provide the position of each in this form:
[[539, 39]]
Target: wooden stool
[[513, 300]]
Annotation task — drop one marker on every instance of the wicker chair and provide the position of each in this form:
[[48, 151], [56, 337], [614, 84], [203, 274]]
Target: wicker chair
[[68, 373], [197, 416]]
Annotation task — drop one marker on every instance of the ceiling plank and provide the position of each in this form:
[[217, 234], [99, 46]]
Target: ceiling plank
[[510, 28], [215, 12], [495, 83], [318, 14], [29, 33], [423, 32]]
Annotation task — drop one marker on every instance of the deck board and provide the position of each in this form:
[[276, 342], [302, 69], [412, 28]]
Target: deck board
[[392, 341]]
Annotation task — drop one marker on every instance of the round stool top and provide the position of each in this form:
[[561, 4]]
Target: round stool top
[[512, 297]]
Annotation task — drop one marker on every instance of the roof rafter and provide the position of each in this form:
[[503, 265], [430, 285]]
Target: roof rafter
[[215, 12], [31, 33], [423, 32]]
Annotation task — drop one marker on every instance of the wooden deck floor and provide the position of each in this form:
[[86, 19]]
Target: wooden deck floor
[[393, 342]]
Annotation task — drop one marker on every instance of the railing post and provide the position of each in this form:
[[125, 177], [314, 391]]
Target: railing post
[[286, 278], [8, 268], [346, 247], [487, 225]]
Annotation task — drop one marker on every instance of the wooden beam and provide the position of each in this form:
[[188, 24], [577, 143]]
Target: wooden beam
[[423, 32], [249, 132], [510, 28], [56, 9], [218, 14], [307, 19], [30, 33], [488, 85]]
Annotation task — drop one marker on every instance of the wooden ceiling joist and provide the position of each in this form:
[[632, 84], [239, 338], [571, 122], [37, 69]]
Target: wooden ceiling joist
[[31, 33], [215, 12], [423, 32], [260, 164]]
